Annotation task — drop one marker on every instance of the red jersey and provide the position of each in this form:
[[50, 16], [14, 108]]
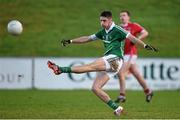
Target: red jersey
[[134, 29]]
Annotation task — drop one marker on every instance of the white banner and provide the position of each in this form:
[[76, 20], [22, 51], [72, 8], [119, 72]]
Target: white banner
[[159, 74], [15, 73], [22, 73]]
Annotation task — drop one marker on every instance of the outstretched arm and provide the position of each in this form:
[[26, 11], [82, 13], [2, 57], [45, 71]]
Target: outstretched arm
[[80, 40], [141, 43], [83, 39]]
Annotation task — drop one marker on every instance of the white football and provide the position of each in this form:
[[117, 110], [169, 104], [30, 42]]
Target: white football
[[14, 27]]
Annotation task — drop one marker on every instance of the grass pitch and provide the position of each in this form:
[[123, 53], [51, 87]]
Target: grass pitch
[[84, 104], [46, 23]]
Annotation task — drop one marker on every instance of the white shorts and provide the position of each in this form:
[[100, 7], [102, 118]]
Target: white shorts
[[113, 63], [130, 58]]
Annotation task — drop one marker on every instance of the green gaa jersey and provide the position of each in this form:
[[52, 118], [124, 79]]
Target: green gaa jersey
[[113, 39]]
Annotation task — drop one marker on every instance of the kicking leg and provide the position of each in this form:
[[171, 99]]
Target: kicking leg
[[97, 65]]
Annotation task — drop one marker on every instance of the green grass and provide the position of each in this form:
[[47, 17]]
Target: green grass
[[46, 22], [84, 104]]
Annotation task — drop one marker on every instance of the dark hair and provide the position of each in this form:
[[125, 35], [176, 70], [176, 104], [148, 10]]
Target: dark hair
[[106, 14], [126, 11]]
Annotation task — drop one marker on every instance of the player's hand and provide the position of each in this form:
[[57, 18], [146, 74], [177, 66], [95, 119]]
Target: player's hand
[[149, 47], [65, 42]]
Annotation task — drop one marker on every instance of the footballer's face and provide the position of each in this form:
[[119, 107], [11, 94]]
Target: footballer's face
[[105, 22], [124, 17]]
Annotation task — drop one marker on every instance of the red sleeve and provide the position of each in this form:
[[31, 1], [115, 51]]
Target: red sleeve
[[138, 27]]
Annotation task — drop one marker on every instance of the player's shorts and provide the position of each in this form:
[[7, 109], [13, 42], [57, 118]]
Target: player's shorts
[[130, 58], [113, 63]]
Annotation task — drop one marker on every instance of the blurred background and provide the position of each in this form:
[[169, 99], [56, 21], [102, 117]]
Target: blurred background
[[45, 23]]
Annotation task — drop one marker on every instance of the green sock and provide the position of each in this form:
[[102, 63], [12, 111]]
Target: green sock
[[112, 104], [65, 69]]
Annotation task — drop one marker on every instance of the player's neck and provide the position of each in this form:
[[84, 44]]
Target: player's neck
[[107, 28], [111, 25]]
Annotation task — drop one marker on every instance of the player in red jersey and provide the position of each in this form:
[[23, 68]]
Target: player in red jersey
[[130, 56]]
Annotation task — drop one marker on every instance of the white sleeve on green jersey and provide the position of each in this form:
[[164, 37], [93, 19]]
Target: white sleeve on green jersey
[[93, 37], [128, 34], [123, 32]]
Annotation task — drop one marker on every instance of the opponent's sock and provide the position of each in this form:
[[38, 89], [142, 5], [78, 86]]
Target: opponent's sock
[[112, 104], [65, 69], [122, 94]]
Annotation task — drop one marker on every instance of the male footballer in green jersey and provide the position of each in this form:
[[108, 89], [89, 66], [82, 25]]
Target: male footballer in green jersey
[[113, 38]]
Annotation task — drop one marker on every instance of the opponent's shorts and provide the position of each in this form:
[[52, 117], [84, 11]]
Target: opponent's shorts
[[113, 63], [130, 58]]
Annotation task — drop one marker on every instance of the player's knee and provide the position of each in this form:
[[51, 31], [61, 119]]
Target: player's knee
[[94, 89]]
